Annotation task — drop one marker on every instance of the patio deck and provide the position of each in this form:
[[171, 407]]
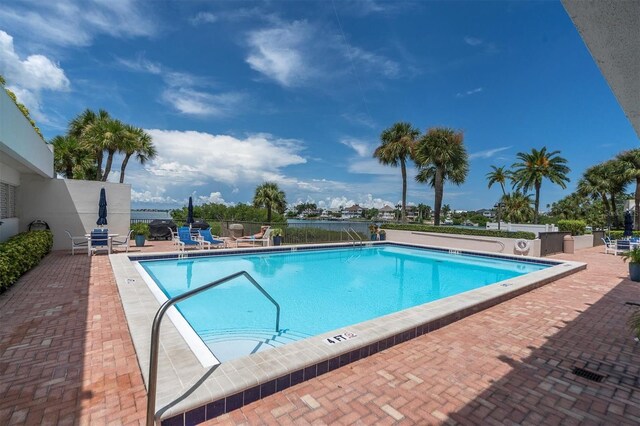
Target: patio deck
[[66, 357]]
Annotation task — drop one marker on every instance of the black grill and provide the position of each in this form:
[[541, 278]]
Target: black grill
[[589, 375]]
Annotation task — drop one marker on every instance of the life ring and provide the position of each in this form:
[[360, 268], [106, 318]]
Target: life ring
[[522, 246]]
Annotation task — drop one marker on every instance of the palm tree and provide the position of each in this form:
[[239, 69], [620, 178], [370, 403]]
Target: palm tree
[[65, 154], [137, 142], [398, 142], [535, 166], [498, 175], [421, 209], [441, 156], [269, 196], [517, 207], [618, 178], [79, 128], [594, 184], [631, 160]]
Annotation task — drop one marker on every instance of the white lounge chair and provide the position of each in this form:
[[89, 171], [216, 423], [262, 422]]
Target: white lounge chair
[[266, 238], [77, 242], [116, 242]]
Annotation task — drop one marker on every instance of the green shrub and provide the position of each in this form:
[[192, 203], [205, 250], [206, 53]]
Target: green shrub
[[616, 235], [461, 231], [576, 227], [140, 228], [21, 253], [308, 235]]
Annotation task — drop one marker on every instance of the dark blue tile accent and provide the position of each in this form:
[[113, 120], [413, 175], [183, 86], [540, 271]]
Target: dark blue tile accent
[[310, 372], [215, 409], [334, 363], [233, 402], [174, 421], [322, 367], [297, 377], [267, 388], [344, 359], [251, 395], [195, 416], [283, 382], [354, 355]]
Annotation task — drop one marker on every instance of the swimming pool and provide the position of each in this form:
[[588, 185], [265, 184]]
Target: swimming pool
[[317, 290]]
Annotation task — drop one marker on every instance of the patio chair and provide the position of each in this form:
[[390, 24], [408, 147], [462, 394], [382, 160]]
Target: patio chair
[[622, 246], [266, 238], [77, 242], [609, 246], [205, 235], [185, 240], [99, 240], [174, 236], [117, 242]]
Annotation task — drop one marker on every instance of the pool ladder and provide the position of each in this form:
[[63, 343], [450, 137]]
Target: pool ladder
[[352, 236], [155, 333]]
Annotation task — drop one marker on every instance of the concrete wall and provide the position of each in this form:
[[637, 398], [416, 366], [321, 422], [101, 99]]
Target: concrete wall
[[72, 205], [20, 141], [582, 241], [524, 227], [463, 242], [11, 176]]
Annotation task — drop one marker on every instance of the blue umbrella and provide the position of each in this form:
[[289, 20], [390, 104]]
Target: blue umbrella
[[190, 212], [628, 224], [102, 210]]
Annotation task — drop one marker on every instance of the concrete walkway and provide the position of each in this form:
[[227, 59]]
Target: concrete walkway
[[66, 358]]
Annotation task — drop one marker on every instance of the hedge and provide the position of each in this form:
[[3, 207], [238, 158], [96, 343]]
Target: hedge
[[314, 235], [21, 253], [460, 231], [576, 227], [616, 235]]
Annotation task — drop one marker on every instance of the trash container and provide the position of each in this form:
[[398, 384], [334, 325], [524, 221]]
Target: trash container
[[568, 244], [236, 230]]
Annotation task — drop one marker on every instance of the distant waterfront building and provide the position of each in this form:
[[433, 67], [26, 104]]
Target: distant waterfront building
[[387, 213], [352, 212]]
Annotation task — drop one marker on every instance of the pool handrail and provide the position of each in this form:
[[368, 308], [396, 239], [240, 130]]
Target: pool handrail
[[351, 237], [155, 332]]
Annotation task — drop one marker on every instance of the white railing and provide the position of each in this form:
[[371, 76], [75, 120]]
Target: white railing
[[526, 227]]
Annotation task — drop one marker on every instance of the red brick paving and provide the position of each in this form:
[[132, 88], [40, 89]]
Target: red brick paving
[[66, 357]]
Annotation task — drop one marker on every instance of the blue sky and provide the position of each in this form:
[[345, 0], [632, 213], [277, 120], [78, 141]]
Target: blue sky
[[236, 93]]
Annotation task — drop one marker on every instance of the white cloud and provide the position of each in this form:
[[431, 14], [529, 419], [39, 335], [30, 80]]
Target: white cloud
[[77, 22], [362, 148], [203, 18], [488, 153], [190, 155], [141, 65], [371, 167], [28, 77], [293, 54], [472, 41], [148, 197], [469, 92], [479, 43], [214, 197], [366, 201], [360, 119]]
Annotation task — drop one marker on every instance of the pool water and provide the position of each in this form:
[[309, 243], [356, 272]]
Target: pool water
[[318, 290]]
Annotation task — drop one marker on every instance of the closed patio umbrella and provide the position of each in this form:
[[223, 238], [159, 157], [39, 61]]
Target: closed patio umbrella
[[102, 208], [628, 224], [190, 212]]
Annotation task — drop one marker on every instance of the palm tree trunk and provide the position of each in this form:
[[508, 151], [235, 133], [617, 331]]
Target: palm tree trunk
[[439, 189], [503, 191], [537, 204], [403, 214], [614, 211], [607, 208], [99, 155], [124, 166], [637, 200], [69, 171], [107, 167]]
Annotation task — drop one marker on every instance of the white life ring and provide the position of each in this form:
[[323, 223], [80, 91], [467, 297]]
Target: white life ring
[[522, 246]]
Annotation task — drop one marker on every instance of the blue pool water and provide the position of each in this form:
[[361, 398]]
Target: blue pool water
[[318, 291]]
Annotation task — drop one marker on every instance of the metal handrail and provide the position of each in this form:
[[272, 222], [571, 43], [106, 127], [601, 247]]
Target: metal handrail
[[356, 234], [155, 332]]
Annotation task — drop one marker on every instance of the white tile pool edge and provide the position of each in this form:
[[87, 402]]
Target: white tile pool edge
[[243, 373]]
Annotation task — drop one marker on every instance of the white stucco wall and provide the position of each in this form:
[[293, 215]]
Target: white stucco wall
[[72, 205], [582, 241], [20, 141], [462, 242]]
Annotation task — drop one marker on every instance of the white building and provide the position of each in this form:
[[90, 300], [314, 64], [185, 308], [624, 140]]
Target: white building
[[29, 189], [352, 212], [387, 213]]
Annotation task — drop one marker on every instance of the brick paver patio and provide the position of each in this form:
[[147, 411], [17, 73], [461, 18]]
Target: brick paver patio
[[66, 357]]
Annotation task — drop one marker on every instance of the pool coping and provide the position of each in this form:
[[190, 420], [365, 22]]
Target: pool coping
[[189, 393]]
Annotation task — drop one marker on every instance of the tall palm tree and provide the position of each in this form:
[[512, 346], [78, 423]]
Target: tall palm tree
[[66, 150], [105, 135], [517, 207], [498, 175], [631, 160], [441, 156], [534, 167], [269, 196], [595, 184], [79, 128], [137, 142], [398, 142], [618, 178]]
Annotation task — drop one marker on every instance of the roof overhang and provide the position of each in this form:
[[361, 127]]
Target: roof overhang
[[611, 31]]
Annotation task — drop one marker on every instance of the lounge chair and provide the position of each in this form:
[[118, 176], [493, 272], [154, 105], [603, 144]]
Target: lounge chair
[[185, 240], [77, 242], [174, 236], [124, 242], [265, 238], [609, 246], [99, 240], [205, 235]]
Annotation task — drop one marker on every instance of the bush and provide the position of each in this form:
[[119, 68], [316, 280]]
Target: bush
[[140, 228], [576, 227], [21, 253], [617, 235], [310, 235], [461, 231]]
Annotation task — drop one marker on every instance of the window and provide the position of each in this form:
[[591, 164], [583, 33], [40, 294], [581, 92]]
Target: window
[[7, 201]]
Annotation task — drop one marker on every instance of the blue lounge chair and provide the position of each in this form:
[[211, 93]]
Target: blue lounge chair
[[99, 240], [185, 239], [206, 236]]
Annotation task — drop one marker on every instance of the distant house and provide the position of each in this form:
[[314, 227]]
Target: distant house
[[352, 212], [387, 213], [412, 213], [486, 213]]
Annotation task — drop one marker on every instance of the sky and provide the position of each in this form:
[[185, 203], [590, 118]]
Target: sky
[[298, 92]]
